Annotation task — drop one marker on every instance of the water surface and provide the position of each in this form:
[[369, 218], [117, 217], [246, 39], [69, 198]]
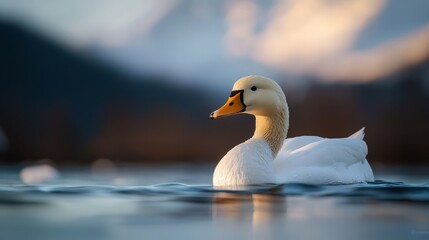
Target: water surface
[[179, 203]]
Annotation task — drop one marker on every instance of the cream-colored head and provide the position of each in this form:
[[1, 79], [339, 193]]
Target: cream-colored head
[[256, 95], [262, 97]]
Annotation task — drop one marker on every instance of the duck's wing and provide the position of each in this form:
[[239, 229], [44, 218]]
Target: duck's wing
[[307, 146], [292, 144], [322, 160]]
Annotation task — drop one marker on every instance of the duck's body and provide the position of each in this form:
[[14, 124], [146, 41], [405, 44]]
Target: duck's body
[[306, 159], [268, 158]]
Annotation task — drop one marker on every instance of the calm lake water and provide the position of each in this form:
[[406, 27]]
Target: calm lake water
[[179, 203]]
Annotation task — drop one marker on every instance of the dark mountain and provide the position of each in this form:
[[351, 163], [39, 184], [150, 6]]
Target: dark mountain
[[55, 103]]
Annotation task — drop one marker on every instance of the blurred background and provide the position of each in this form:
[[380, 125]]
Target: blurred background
[[133, 82]]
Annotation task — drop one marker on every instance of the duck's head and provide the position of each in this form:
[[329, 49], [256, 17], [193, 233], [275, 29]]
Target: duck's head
[[256, 95]]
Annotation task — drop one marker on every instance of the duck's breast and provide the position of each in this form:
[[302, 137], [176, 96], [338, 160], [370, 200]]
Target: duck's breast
[[247, 163]]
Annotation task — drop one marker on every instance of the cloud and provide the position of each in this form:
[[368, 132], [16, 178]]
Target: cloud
[[297, 37], [83, 22], [316, 38], [379, 61]]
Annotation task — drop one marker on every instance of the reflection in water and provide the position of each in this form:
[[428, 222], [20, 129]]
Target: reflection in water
[[38, 174], [258, 215]]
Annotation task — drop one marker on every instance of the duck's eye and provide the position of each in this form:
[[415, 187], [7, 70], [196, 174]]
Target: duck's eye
[[253, 88]]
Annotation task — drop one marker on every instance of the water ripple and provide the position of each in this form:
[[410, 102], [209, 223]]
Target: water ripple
[[379, 190]]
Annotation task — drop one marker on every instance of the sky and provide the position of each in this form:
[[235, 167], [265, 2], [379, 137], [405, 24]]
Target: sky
[[206, 42]]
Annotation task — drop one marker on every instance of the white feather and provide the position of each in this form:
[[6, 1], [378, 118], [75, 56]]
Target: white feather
[[316, 160], [268, 158], [247, 163]]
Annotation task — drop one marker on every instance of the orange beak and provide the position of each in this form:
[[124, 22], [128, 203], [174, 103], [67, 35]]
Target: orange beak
[[233, 106]]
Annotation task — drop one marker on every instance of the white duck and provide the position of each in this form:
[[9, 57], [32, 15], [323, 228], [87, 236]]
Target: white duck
[[268, 157]]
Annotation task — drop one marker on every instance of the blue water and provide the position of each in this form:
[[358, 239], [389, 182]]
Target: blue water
[[139, 204]]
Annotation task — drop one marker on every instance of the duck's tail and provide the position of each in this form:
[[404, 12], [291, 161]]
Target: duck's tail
[[359, 134]]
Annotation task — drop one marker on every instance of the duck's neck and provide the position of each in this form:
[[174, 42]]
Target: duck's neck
[[273, 128]]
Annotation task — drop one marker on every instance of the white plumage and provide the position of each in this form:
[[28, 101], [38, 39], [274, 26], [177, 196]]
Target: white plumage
[[316, 160], [270, 158], [247, 163]]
